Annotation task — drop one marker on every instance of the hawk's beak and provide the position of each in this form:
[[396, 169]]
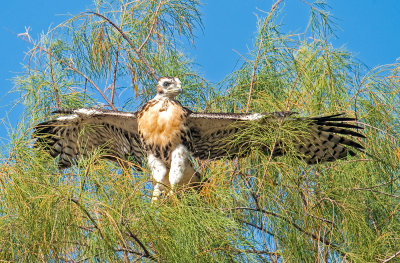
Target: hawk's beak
[[178, 87]]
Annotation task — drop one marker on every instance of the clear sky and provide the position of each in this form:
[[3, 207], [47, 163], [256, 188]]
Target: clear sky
[[370, 29]]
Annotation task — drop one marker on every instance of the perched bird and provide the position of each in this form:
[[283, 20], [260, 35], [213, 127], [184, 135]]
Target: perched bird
[[166, 133]]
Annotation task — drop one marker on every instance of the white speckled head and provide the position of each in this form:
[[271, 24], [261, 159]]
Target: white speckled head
[[169, 87]]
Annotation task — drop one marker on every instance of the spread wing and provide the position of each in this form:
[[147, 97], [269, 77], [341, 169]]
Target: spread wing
[[320, 139], [77, 132]]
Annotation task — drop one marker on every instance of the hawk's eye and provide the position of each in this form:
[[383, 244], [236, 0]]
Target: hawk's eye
[[165, 84]]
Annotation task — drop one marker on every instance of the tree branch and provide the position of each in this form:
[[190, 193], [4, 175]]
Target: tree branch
[[152, 26], [89, 216], [320, 239], [76, 71], [145, 251], [114, 75], [137, 51], [258, 227], [376, 191], [391, 257], [253, 74], [53, 83]]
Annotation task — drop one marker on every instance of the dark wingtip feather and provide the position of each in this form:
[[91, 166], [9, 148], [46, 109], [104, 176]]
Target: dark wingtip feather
[[335, 129], [337, 125], [327, 116]]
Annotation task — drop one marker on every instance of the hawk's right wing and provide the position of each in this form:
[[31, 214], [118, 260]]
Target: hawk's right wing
[[79, 131], [315, 139]]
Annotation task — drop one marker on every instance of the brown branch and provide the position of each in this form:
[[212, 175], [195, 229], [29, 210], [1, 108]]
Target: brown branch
[[256, 201], [133, 252], [370, 216], [375, 128], [293, 87], [252, 83], [376, 191], [347, 161], [115, 250], [259, 228], [53, 83], [259, 252], [253, 74], [320, 218], [152, 26], [312, 235], [240, 55], [145, 251], [93, 84], [391, 257], [114, 76], [379, 185], [89, 216], [250, 251], [137, 52], [74, 70]]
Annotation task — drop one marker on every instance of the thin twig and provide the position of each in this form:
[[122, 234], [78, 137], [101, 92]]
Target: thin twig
[[253, 74], [371, 216], [348, 161], [75, 201], [293, 87], [376, 191], [321, 239], [237, 52], [145, 251], [152, 26], [132, 252], [114, 75], [379, 185], [69, 66], [391, 257], [375, 128], [320, 218], [259, 228], [53, 83], [137, 52], [254, 251]]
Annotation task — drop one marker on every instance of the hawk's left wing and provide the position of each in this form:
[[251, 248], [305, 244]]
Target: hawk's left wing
[[76, 132], [319, 139]]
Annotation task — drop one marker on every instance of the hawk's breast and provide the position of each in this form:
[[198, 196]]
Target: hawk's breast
[[161, 124]]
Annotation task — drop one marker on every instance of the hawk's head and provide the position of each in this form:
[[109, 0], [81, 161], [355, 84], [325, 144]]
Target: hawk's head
[[169, 87]]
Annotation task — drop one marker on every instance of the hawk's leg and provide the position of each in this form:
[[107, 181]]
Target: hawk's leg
[[179, 160], [182, 172], [159, 171]]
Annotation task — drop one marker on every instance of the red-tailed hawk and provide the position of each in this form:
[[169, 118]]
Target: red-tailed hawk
[[166, 133]]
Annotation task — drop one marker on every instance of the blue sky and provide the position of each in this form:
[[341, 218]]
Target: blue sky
[[370, 29]]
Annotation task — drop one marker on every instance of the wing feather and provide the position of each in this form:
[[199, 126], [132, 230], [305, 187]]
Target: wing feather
[[76, 132], [327, 138]]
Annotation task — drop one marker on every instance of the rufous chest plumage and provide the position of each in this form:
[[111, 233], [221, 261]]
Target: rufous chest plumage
[[162, 125]]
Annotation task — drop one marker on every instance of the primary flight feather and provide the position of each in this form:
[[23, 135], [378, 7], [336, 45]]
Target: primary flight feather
[[166, 133]]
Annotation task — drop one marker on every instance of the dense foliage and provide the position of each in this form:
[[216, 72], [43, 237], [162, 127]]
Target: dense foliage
[[253, 209]]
